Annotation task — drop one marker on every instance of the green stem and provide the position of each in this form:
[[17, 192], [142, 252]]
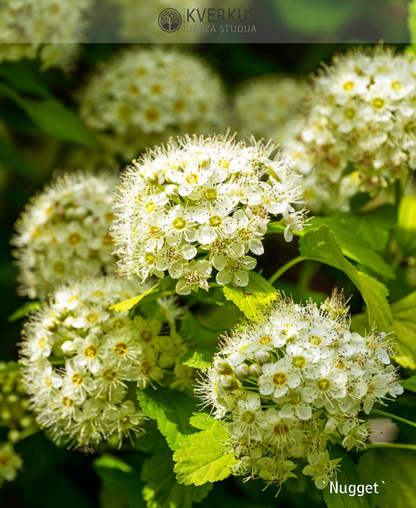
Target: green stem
[[393, 417], [28, 432], [286, 267], [392, 445]]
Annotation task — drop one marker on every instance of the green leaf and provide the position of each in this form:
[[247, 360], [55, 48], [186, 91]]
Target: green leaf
[[10, 157], [52, 117], [406, 226], [394, 471], [121, 483], [23, 80], [347, 475], [205, 456], [164, 287], [23, 311], [254, 298], [161, 489], [200, 358], [171, 410], [410, 384], [404, 326], [321, 245], [359, 238], [197, 334], [411, 21]]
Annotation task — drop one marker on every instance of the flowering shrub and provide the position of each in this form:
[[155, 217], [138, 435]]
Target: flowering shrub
[[162, 345], [286, 384], [64, 232], [357, 134], [83, 394], [213, 196], [267, 107], [143, 96], [41, 29]]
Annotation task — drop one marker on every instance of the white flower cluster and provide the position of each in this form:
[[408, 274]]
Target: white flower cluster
[[358, 132], [10, 463], [143, 96], [201, 203], [81, 361], [266, 107], [45, 29], [139, 20], [286, 385], [64, 232]]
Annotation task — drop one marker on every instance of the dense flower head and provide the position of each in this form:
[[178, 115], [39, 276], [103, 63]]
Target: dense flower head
[[266, 107], [139, 20], [285, 385], [199, 203], [10, 463], [357, 133], [64, 232], [143, 96], [14, 403], [83, 360], [45, 29]]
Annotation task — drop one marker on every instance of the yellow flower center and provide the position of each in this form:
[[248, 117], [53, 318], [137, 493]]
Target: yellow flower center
[[279, 379], [211, 194], [146, 335], [248, 418], [109, 375], [265, 340], [77, 379], [67, 402], [315, 340], [150, 207], [192, 179], [348, 86], [396, 85], [42, 343], [92, 318], [298, 362], [349, 113], [294, 399], [215, 221], [323, 385], [281, 429], [179, 223], [379, 102], [107, 240], [74, 239], [121, 348], [90, 352]]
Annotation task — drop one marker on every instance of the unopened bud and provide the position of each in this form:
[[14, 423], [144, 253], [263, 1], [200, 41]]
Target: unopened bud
[[242, 371], [261, 357], [229, 383], [223, 367], [13, 436], [255, 370]]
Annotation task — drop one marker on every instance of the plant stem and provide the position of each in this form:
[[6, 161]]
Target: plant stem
[[286, 267], [392, 445], [393, 417]]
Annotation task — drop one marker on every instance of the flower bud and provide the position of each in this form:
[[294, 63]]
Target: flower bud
[[261, 357], [242, 371], [255, 370], [223, 367], [229, 383]]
